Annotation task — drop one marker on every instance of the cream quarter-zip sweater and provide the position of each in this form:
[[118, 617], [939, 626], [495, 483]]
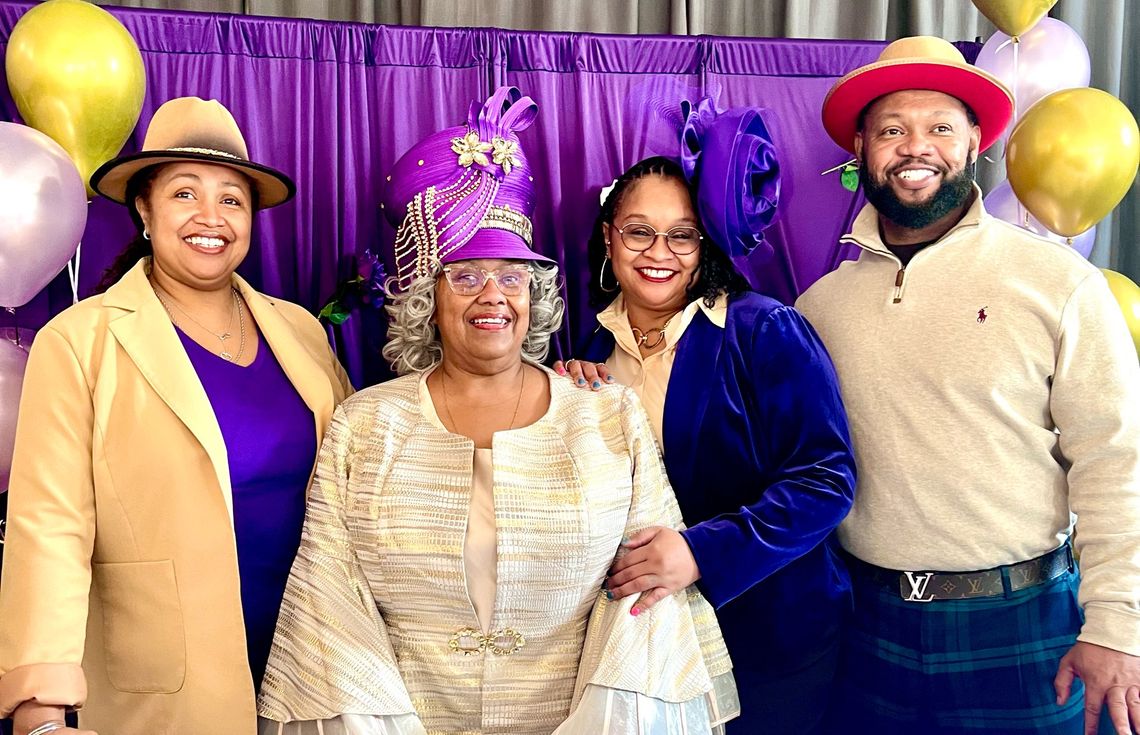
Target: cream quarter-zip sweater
[[993, 391]]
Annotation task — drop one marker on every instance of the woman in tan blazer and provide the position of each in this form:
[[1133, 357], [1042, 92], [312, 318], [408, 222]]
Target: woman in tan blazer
[[167, 434]]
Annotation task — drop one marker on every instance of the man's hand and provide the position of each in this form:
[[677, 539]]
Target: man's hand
[[1109, 676], [658, 563]]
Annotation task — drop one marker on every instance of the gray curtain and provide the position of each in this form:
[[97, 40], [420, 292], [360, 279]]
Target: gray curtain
[[1109, 28]]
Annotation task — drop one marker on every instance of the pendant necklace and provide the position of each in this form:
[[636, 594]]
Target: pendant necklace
[[447, 408], [225, 354], [642, 339]]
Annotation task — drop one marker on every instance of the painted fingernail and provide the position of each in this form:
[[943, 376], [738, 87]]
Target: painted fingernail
[[609, 595], [597, 384], [561, 370], [609, 378], [581, 381], [635, 611]]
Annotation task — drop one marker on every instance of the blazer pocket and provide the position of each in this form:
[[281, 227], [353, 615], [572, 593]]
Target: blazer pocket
[[143, 631]]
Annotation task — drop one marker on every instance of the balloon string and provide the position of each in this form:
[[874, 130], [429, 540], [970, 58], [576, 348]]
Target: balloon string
[[1013, 92], [15, 325], [1016, 78], [1005, 149], [73, 274]]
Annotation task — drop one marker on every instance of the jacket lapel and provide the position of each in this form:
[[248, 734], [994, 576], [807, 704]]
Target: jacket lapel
[[301, 365], [147, 336], [691, 383]]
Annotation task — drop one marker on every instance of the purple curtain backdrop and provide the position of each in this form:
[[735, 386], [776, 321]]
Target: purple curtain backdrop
[[334, 104]]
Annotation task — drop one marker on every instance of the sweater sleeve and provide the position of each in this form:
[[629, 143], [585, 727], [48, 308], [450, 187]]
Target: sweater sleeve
[[805, 475], [1095, 403]]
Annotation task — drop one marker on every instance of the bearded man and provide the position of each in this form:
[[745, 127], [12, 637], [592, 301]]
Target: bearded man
[[994, 398]]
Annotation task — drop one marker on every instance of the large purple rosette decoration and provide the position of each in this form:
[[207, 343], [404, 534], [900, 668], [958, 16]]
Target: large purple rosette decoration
[[729, 158]]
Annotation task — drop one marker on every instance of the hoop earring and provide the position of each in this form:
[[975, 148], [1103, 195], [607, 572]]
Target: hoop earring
[[146, 235], [602, 278]]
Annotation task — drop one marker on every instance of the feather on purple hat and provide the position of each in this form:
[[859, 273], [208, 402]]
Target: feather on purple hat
[[465, 192]]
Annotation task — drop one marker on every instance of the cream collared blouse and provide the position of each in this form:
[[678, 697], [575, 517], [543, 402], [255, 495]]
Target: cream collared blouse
[[649, 376]]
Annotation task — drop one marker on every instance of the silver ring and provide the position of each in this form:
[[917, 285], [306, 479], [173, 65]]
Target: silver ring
[[47, 727], [567, 363]]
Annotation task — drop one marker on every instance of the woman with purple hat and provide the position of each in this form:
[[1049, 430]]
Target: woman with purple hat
[[744, 400], [168, 430], [464, 515]]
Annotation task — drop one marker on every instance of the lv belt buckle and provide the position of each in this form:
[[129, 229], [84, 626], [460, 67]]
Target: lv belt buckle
[[918, 582]]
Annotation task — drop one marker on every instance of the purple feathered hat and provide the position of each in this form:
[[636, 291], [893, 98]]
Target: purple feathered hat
[[465, 192], [729, 158]]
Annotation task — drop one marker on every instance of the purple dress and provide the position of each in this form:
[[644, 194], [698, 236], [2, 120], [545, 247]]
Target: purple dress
[[271, 442]]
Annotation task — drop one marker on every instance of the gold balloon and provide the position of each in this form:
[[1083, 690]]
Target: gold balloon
[[77, 76], [1014, 17], [1127, 295], [1072, 157]]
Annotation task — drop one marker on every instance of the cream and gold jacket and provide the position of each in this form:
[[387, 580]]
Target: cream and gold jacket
[[120, 592], [377, 630]]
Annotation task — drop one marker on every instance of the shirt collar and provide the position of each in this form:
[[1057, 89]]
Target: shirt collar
[[865, 229], [615, 318]]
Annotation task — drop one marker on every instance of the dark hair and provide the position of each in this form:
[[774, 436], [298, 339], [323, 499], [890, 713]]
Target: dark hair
[[716, 274], [859, 121], [139, 247]]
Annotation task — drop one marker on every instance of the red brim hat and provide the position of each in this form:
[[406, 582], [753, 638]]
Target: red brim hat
[[919, 62]]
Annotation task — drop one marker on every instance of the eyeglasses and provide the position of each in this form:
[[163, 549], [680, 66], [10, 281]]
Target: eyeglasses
[[467, 280], [639, 237]]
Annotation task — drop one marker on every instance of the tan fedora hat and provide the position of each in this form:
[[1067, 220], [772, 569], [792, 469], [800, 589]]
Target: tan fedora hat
[[917, 62], [193, 129]]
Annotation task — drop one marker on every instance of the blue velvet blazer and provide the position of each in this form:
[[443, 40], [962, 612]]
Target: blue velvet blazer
[[758, 452]]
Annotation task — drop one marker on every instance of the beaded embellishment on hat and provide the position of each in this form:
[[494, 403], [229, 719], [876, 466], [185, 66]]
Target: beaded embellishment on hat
[[459, 181]]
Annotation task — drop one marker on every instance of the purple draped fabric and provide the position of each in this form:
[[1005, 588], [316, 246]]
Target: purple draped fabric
[[335, 104]]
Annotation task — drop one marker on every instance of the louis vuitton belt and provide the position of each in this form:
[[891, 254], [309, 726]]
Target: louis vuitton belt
[[930, 586]]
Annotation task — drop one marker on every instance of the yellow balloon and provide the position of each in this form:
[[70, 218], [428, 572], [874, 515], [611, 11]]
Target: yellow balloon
[[1014, 17], [77, 76], [1072, 157], [1127, 294]]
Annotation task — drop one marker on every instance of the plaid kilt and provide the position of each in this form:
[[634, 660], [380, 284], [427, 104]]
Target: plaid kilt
[[983, 665]]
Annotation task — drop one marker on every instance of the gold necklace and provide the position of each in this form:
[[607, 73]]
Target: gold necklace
[[641, 339], [447, 408], [223, 336]]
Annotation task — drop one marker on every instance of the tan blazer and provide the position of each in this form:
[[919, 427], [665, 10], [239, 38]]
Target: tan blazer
[[120, 566]]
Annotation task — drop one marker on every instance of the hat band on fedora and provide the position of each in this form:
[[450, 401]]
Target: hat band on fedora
[[203, 151]]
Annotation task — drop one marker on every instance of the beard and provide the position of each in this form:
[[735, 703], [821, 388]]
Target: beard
[[954, 192]]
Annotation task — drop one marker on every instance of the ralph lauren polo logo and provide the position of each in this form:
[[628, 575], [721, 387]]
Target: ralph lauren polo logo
[[982, 315]]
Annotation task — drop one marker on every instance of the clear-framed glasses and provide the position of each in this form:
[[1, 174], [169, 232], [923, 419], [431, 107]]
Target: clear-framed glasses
[[639, 237], [467, 280]]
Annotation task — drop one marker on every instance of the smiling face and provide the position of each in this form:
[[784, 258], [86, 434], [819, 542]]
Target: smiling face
[[199, 217], [917, 149], [483, 332], [655, 279]]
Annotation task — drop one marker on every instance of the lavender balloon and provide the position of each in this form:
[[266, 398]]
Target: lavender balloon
[[1003, 204], [43, 210], [1050, 57], [14, 346]]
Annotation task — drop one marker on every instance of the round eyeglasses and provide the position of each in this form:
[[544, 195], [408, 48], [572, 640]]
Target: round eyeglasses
[[639, 237], [467, 280]]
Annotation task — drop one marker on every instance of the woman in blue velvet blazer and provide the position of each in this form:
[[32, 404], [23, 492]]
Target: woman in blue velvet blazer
[[745, 401]]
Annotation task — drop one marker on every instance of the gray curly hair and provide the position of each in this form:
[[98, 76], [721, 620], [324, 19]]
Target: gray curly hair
[[413, 341]]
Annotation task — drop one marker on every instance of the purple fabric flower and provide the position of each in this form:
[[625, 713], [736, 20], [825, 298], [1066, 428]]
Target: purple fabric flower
[[730, 159]]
